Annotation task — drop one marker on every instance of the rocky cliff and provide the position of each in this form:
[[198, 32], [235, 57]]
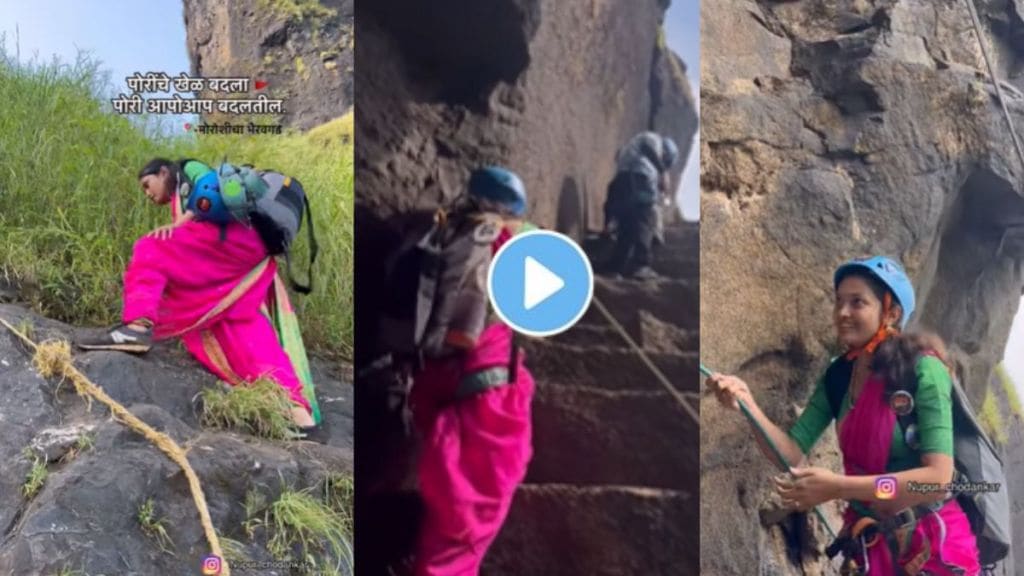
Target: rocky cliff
[[74, 482], [550, 89], [303, 49], [834, 129]]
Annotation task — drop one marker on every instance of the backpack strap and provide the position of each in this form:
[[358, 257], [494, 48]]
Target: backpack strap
[[430, 247], [837, 383], [314, 248]]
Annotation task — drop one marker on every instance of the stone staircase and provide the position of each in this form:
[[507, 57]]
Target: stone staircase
[[614, 482]]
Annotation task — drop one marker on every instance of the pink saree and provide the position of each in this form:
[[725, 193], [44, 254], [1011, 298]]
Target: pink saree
[[474, 453], [223, 298], [865, 436]]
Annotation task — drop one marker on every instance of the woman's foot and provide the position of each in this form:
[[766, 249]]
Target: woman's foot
[[134, 337], [302, 417]]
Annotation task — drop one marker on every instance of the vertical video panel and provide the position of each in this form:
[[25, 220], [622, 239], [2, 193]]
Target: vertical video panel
[[527, 401], [861, 248], [176, 319]]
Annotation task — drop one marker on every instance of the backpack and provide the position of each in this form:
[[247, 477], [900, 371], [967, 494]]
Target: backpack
[[437, 284], [269, 201], [975, 460]]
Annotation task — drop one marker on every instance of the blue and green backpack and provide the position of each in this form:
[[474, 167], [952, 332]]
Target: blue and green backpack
[[270, 202]]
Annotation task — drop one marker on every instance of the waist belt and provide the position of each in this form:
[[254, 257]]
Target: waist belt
[[481, 381], [866, 532]]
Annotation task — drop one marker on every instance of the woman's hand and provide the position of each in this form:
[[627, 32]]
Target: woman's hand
[[163, 232], [729, 390], [808, 487]]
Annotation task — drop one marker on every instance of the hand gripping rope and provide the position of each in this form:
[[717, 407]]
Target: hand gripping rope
[[780, 459]]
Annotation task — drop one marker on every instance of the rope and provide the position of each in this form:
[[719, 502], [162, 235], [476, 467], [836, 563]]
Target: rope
[[55, 358], [995, 82], [659, 376], [780, 459]]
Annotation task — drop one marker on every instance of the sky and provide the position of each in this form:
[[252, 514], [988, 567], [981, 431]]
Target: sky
[[125, 36], [682, 33]]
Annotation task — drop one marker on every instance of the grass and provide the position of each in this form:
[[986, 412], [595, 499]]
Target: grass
[[69, 571], [234, 551], [303, 528], [153, 526], [84, 443], [300, 9], [27, 328], [300, 68], [36, 477], [71, 208], [261, 409], [339, 495], [1011, 391], [991, 419]]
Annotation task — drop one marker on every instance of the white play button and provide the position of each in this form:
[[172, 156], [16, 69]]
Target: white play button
[[540, 283]]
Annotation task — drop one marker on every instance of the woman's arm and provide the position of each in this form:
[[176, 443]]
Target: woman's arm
[[731, 390], [917, 486], [789, 449], [188, 216]]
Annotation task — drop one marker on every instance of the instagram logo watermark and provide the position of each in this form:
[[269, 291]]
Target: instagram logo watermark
[[885, 487], [211, 565]]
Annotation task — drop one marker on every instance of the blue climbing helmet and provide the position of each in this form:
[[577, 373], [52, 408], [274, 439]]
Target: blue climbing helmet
[[500, 186], [205, 200], [669, 152], [889, 273]]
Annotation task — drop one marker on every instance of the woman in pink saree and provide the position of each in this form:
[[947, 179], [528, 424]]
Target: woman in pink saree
[[889, 529], [213, 287], [473, 414]]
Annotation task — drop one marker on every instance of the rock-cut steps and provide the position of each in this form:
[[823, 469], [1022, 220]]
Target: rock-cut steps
[[613, 485]]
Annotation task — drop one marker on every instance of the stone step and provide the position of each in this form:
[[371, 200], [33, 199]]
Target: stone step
[[671, 301], [675, 259], [587, 334], [597, 531], [586, 436], [608, 368]]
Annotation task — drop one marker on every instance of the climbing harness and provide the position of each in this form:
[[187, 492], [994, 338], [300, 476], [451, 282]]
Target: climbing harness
[[58, 362], [780, 459]]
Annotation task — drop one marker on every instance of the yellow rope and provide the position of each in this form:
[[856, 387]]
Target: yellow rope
[[54, 358]]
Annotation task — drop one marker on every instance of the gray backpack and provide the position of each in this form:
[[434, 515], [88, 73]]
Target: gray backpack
[[276, 214], [437, 289]]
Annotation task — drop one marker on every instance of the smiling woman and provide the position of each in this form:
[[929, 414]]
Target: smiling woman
[[881, 377]]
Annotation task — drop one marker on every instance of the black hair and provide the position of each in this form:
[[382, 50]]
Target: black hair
[[154, 166], [877, 287], [896, 359]]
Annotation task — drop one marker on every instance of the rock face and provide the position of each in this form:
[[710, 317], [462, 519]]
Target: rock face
[[303, 49], [85, 515], [833, 130], [551, 89]]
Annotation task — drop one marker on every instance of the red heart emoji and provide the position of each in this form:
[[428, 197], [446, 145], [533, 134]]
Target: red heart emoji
[[261, 84], [187, 126]]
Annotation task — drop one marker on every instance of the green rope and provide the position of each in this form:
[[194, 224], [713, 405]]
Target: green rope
[[780, 459]]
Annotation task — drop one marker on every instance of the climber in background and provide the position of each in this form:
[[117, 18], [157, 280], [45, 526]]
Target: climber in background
[[641, 182], [215, 286], [471, 391], [883, 379]]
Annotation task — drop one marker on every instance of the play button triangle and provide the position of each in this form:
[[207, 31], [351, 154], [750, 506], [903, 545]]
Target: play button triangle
[[539, 283]]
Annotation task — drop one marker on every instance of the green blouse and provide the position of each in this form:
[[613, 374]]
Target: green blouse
[[933, 403]]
